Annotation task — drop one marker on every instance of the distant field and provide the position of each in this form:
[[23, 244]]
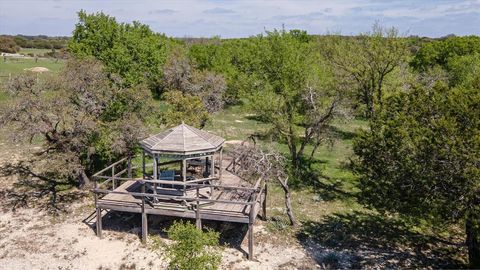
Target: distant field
[[14, 66], [38, 52]]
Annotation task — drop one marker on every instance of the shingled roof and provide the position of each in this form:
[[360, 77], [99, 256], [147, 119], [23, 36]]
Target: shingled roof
[[182, 139]]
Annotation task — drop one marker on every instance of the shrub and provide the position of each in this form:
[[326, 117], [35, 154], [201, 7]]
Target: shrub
[[193, 248]]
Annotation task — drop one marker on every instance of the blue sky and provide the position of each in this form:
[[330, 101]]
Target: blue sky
[[228, 19]]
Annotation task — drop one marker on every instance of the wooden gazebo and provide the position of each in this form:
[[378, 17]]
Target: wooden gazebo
[[183, 145], [187, 177]]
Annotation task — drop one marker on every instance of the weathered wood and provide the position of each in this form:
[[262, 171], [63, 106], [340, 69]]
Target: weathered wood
[[212, 167], [104, 183], [169, 197], [264, 203], [95, 195], [129, 167], [120, 173], [155, 174], [188, 183], [212, 215], [250, 232], [182, 140], [144, 218], [220, 164], [206, 164], [143, 165], [113, 179], [184, 175], [109, 167], [99, 222], [251, 220], [197, 212], [222, 204]]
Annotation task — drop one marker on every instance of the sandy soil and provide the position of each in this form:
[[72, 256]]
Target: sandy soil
[[32, 239]]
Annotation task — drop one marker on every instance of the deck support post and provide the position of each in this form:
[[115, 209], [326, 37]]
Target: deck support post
[[144, 217], [264, 203], [250, 235], [250, 241], [198, 221], [99, 222], [143, 164], [251, 220]]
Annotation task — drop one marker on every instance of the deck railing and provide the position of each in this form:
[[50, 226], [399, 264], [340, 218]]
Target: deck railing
[[106, 180]]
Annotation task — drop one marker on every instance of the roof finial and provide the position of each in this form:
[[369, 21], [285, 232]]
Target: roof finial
[[183, 123]]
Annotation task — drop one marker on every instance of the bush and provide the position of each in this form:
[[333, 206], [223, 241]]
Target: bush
[[193, 248], [184, 108]]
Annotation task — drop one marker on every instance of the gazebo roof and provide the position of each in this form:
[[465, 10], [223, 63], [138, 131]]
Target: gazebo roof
[[183, 140]]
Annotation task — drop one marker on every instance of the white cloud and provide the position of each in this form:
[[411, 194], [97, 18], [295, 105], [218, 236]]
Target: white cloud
[[243, 18]]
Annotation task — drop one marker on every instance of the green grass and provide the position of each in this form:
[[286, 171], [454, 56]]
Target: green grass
[[38, 52], [311, 201], [327, 208], [14, 66], [235, 123]]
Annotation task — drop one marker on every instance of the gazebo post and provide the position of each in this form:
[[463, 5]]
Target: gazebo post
[[184, 175], [212, 165], [143, 164], [182, 143], [155, 174], [220, 163], [206, 164]]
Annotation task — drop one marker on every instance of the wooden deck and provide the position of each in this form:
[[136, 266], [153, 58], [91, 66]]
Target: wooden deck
[[208, 210], [232, 198]]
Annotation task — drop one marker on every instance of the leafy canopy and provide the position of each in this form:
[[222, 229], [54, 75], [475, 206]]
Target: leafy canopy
[[292, 89], [132, 51], [83, 118], [423, 151]]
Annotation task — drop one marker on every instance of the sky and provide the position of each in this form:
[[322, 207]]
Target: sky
[[230, 18]]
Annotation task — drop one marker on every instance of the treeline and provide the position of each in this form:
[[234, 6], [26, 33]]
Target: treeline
[[418, 158], [12, 44]]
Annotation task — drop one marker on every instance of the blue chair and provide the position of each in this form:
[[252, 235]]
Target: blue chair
[[168, 175]]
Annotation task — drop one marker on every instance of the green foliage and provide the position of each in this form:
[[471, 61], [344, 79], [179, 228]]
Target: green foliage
[[464, 70], [184, 108], [439, 52], [131, 50], [301, 35], [84, 119], [193, 248], [290, 87], [181, 75], [423, 150], [420, 158], [364, 63], [219, 56]]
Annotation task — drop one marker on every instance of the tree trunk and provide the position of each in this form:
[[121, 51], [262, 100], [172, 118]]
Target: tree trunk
[[83, 179], [288, 202], [472, 229]]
